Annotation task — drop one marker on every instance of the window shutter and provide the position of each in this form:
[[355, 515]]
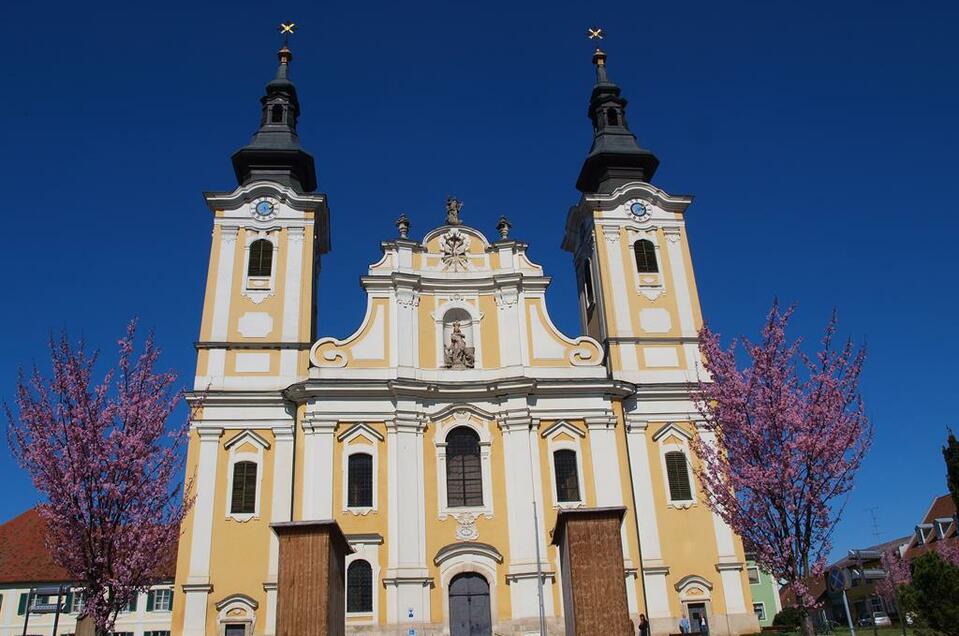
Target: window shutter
[[171, 604], [150, 601], [678, 475], [244, 488], [132, 605], [22, 607], [68, 603]]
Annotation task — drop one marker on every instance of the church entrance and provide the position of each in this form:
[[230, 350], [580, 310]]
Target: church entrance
[[469, 606]]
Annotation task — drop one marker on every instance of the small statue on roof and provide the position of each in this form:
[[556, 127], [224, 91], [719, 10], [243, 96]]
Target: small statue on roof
[[453, 206]]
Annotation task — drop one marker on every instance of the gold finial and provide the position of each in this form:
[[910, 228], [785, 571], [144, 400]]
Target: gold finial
[[596, 33]]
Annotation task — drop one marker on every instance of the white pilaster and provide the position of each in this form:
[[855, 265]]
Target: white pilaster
[[318, 467], [279, 511], [677, 266], [292, 297], [407, 577], [621, 296], [644, 503], [521, 455], [197, 585]]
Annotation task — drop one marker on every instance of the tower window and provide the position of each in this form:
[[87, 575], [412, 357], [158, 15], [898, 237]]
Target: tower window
[[612, 117], [588, 291], [678, 474], [276, 114], [645, 257], [261, 258], [567, 475], [464, 474], [359, 587], [244, 488], [360, 476]]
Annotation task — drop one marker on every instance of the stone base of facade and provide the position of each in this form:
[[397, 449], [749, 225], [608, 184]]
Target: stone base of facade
[[720, 625], [520, 627]]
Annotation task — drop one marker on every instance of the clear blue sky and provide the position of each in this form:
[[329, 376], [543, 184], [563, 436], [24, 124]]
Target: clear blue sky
[[819, 139]]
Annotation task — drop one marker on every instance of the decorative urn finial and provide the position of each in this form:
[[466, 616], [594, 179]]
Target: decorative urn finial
[[403, 225], [503, 227]]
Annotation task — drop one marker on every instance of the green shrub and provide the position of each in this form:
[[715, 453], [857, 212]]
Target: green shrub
[[788, 617]]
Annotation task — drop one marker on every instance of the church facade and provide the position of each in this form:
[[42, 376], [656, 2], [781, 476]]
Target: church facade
[[448, 430]]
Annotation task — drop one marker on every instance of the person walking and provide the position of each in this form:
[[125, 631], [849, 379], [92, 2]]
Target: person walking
[[703, 626], [684, 625], [643, 625]]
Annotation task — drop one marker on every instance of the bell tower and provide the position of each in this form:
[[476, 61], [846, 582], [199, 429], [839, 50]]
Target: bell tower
[[268, 236], [627, 238]]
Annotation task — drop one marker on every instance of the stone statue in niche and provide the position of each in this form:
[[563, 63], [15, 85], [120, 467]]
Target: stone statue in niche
[[457, 354]]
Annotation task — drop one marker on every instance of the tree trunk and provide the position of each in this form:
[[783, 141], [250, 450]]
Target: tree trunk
[[86, 627], [808, 629]]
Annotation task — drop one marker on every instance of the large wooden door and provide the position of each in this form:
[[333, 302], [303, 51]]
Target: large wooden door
[[469, 606]]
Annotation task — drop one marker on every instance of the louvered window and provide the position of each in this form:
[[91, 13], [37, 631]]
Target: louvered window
[[464, 474], [359, 587], [567, 475], [678, 474], [244, 488], [588, 284], [645, 257], [360, 484], [261, 258]]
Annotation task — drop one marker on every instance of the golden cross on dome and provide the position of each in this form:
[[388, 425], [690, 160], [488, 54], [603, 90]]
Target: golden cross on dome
[[287, 29], [595, 33]]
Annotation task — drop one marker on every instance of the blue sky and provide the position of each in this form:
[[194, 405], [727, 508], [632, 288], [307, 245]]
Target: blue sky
[[819, 139]]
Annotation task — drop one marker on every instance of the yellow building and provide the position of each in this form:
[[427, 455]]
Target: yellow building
[[448, 430]]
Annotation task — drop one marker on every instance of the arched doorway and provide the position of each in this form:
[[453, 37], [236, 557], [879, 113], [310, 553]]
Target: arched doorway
[[469, 606]]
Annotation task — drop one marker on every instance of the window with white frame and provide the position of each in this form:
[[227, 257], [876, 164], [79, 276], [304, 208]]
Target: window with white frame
[[464, 472], [360, 459], [160, 600], [259, 274], [942, 527], [673, 442], [566, 463], [245, 475], [759, 609], [753, 572]]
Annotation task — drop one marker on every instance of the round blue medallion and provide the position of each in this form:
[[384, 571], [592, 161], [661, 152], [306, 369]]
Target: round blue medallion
[[264, 208]]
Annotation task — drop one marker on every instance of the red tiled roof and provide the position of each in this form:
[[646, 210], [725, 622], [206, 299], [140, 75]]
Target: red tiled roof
[[24, 557], [943, 507]]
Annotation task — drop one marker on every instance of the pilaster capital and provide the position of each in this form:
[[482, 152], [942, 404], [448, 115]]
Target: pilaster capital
[[672, 233], [636, 423], [600, 422], [228, 233], [313, 424], [407, 422], [296, 233], [209, 433], [517, 420], [284, 434]]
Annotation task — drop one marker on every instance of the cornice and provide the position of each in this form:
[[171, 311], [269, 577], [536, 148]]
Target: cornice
[[244, 194]]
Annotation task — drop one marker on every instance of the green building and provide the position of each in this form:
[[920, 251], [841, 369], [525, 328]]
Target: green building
[[765, 593]]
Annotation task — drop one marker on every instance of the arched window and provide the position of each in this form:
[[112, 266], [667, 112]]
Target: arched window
[[678, 474], [360, 485], [567, 475], [359, 587], [276, 114], [612, 117], [645, 257], [261, 258], [588, 284], [464, 473], [244, 488]]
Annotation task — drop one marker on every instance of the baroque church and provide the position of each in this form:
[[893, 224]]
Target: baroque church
[[445, 433]]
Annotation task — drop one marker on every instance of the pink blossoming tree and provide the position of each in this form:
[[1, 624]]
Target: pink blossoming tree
[[783, 439], [102, 457]]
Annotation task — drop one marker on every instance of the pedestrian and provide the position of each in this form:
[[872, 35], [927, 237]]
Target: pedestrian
[[703, 625], [684, 625], [643, 625]]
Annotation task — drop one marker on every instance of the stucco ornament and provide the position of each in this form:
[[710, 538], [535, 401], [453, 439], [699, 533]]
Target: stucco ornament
[[466, 526], [457, 354], [455, 245]]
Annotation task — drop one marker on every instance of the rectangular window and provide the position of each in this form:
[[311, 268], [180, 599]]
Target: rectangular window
[[360, 481], [753, 573], [677, 474], [157, 633], [244, 488], [567, 475], [162, 600], [759, 609]]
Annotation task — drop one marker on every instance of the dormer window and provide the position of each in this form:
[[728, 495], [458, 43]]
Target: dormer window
[[923, 533], [942, 527]]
